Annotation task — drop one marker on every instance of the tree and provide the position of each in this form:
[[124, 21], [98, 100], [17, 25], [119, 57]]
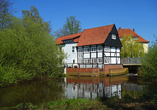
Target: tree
[[33, 14], [5, 11], [28, 51], [131, 47], [71, 26], [149, 63]]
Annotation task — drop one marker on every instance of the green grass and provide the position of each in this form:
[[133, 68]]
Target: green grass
[[68, 104]]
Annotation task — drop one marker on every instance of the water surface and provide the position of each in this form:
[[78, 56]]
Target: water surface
[[40, 91]]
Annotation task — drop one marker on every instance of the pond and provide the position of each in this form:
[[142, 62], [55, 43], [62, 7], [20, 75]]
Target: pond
[[40, 91]]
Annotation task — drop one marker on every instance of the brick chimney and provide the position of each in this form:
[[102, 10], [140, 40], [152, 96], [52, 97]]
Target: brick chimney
[[119, 28], [133, 29]]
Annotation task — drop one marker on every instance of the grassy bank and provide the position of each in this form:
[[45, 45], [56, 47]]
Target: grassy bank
[[114, 103]]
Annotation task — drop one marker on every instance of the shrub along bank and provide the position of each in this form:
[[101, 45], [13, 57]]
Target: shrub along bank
[[28, 49]]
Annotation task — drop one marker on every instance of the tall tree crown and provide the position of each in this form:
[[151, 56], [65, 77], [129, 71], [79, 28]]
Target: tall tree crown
[[71, 26]]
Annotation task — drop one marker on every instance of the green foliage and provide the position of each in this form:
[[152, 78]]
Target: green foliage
[[127, 97], [131, 48], [149, 64], [23, 106], [33, 14], [71, 26], [28, 51], [5, 17], [73, 104]]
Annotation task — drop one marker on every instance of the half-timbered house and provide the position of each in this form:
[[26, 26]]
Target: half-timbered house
[[99, 45]]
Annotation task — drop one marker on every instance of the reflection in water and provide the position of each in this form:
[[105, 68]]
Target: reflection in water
[[35, 92], [87, 87], [41, 91]]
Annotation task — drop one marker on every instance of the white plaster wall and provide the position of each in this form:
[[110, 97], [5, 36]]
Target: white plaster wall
[[93, 55], [86, 55], [100, 54], [67, 48]]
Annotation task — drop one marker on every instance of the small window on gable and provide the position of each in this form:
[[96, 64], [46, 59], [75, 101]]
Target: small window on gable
[[113, 36], [73, 49]]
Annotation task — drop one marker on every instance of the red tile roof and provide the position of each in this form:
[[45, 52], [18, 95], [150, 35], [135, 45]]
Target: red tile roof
[[127, 32], [94, 35], [59, 40]]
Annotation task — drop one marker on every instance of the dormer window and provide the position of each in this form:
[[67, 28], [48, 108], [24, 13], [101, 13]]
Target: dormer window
[[68, 41], [135, 38], [113, 36]]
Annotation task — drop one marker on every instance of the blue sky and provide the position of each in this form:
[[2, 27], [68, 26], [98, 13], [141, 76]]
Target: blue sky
[[138, 14]]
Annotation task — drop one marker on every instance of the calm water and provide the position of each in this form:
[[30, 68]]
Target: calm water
[[39, 91]]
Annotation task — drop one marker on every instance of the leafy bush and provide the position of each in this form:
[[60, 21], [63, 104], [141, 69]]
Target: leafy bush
[[28, 50], [149, 64]]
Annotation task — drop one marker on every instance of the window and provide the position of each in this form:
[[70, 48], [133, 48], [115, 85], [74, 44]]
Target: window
[[113, 36], [79, 49], [93, 49], [80, 60], [100, 60], [86, 60], [80, 55], [93, 61], [107, 49], [135, 38], [68, 41], [86, 49], [73, 60], [99, 48], [113, 49], [73, 49], [106, 60]]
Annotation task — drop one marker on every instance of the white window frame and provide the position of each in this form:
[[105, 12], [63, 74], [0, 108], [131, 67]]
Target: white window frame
[[79, 49], [107, 49], [88, 60], [86, 49], [113, 36], [99, 48], [98, 60], [108, 60], [93, 49], [93, 60]]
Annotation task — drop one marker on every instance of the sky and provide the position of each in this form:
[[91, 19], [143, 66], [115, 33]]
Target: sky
[[138, 14]]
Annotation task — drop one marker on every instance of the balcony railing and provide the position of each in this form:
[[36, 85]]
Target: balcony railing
[[131, 60]]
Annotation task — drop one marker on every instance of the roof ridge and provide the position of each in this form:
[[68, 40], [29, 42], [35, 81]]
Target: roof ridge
[[99, 27], [124, 28], [70, 35]]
